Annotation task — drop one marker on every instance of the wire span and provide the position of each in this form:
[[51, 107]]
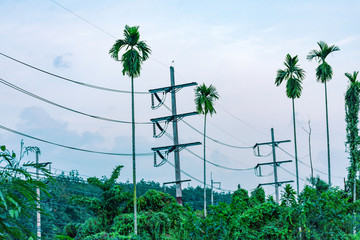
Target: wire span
[[70, 80], [72, 148], [63, 107]]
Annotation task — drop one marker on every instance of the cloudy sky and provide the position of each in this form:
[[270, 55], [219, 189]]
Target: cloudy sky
[[235, 45]]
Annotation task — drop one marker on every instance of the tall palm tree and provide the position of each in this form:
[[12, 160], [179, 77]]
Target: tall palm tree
[[324, 74], [136, 52], [352, 100], [293, 75], [204, 100]]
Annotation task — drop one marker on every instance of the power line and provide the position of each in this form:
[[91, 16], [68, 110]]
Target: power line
[[71, 80], [242, 121], [72, 148], [190, 176], [214, 164], [307, 164], [87, 21], [217, 141], [95, 26], [63, 107], [98, 28]]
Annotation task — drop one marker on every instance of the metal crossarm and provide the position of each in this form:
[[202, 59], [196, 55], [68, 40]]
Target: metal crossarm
[[173, 117], [176, 146], [270, 163], [168, 89], [270, 143], [187, 180], [277, 183]]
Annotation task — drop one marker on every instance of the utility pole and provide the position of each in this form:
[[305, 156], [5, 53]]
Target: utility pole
[[176, 147], [273, 144], [212, 189]]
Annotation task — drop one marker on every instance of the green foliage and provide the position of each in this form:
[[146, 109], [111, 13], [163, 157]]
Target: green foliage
[[136, 51], [352, 98], [293, 75], [204, 99], [324, 70], [111, 201], [18, 196], [154, 201]]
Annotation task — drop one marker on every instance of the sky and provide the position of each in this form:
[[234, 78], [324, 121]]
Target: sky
[[237, 46]]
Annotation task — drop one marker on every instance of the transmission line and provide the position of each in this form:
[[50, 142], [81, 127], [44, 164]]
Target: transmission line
[[73, 148], [307, 164], [98, 28], [70, 80], [63, 107], [214, 164], [202, 182]]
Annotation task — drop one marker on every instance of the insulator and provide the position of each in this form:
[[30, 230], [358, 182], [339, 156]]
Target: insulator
[[157, 97], [162, 156], [152, 101], [154, 131], [159, 126], [154, 159]]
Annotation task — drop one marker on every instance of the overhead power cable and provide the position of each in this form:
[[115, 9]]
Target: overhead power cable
[[217, 141], [63, 107], [214, 164], [98, 28], [70, 80], [190, 176], [307, 164], [73, 148]]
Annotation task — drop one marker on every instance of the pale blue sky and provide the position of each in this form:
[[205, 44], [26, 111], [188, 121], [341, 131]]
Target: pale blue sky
[[235, 45]]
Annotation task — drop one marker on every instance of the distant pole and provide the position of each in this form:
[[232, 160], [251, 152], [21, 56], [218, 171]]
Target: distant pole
[[212, 190], [176, 139], [38, 216], [275, 166]]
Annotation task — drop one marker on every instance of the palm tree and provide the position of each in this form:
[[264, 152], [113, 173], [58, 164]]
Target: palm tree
[[294, 75], [136, 52], [352, 98], [204, 100], [323, 75]]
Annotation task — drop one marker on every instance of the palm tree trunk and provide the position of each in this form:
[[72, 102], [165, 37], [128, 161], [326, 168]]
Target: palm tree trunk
[[133, 152], [327, 134], [295, 145], [204, 166]]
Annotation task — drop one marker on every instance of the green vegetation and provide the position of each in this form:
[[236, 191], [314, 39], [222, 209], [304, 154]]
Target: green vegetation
[[103, 209], [352, 97]]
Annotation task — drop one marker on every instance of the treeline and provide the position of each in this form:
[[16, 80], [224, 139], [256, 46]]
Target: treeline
[[99, 209], [62, 206]]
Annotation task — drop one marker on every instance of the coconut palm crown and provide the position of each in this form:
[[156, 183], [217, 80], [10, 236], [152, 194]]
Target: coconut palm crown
[[135, 51], [293, 74], [204, 99], [324, 70]]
